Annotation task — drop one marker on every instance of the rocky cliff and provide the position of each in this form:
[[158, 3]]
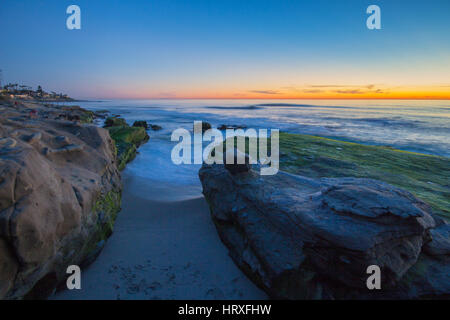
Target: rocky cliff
[[301, 237], [60, 192]]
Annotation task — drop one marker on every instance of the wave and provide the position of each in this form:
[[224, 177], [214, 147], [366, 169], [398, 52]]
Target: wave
[[253, 107], [286, 105], [263, 105]]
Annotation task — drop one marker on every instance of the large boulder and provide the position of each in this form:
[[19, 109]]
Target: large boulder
[[300, 237], [59, 195]]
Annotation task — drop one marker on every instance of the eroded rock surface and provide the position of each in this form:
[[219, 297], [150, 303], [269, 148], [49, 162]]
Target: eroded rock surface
[[59, 195], [304, 238]]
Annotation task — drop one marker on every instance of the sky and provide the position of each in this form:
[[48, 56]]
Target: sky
[[230, 49]]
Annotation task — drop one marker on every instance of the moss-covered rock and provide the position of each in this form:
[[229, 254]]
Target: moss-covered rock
[[75, 113], [127, 139], [133, 135], [141, 123], [87, 117], [426, 176], [114, 122], [105, 209]]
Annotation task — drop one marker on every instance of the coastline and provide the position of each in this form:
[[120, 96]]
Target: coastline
[[172, 249], [136, 275]]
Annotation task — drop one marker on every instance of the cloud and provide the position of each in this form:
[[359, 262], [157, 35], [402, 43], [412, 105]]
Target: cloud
[[313, 91], [328, 86], [318, 89], [353, 91], [365, 86], [343, 89], [264, 91]]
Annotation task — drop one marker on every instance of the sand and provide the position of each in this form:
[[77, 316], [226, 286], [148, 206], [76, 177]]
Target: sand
[[162, 250]]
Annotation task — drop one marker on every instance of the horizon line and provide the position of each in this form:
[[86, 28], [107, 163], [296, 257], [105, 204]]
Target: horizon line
[[223, 98]]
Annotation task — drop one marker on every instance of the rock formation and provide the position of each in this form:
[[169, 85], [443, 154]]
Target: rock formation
[[127, 139], [60, 192], [141, 123], [306, 238], [155, 127], [114, 122]]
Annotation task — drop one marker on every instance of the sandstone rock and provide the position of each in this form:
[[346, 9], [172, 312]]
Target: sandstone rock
[[62, 139], [35, 137], [56, 206], [299, 237], [8, 268]]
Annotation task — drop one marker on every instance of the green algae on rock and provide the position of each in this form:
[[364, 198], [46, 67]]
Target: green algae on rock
[[127, 139], [141, 123], [425, 176], [106, 209], [114, 122]]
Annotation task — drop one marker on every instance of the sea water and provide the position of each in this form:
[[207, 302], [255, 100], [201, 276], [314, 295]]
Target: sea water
[[418, 126]]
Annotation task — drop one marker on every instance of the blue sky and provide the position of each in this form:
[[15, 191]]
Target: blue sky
[[196, 48]]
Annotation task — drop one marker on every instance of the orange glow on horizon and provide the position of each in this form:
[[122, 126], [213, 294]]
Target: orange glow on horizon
[[325, 93]]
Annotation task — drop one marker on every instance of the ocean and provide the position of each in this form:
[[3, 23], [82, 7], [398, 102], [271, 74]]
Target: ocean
[[418, 126]]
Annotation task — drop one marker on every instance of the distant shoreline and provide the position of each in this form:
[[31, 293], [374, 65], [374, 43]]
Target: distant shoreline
[[56, 100]]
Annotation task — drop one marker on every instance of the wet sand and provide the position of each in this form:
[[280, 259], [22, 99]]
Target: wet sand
[[162, 250]]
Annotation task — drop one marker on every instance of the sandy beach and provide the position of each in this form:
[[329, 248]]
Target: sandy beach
[[162, 250]]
